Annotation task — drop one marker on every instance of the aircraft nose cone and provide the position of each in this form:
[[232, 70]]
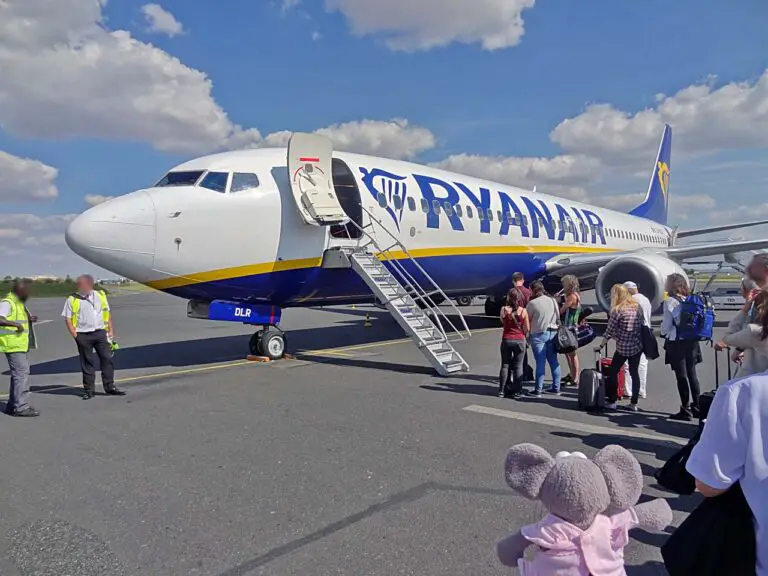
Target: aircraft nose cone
[[118, 235]]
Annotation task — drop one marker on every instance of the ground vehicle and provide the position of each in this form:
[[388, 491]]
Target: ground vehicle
[[727, 297]]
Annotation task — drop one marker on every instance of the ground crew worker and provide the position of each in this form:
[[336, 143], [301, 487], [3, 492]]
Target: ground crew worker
[[88, 319], [17, 335]]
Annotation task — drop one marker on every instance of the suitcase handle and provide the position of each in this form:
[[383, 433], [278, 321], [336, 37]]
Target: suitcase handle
[[599, 356]]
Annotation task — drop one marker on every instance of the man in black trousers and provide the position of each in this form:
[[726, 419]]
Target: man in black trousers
[[89, 321]]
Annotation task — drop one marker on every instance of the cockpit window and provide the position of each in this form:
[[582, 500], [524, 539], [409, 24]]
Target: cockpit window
[[243, 181], [184, 178], [216, 181]]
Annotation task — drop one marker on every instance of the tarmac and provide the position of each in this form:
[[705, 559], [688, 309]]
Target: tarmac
[[354, 458]]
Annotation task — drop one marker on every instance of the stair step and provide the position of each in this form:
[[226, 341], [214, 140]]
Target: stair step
[[400, 296]]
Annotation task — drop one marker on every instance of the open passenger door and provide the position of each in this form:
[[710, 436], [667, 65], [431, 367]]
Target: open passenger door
[[310, 172]]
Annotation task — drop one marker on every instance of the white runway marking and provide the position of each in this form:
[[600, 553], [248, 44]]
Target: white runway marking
[[576, 426], [38, 323]]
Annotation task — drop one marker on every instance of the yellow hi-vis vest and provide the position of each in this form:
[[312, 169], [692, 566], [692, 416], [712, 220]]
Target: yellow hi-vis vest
[[74, 302], [10, 340]]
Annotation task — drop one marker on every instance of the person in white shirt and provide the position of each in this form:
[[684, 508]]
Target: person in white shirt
[[732, 449], [88, 319], [642, 369]]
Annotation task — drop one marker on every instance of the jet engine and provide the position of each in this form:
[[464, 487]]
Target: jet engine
[[648, 271]]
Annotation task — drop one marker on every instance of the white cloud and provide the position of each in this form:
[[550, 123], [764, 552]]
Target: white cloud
[[606, 141], [35, 245], [704, 119], [561, 175], [95, 199], [740, 213], [160, 21], [393, 139], [22, 179], [92, 82], [316, 36], [425, 24]]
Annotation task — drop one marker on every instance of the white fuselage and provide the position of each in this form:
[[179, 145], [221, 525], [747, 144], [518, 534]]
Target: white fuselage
[[218, 235]]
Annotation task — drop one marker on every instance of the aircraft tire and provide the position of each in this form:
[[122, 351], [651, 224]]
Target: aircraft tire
[[254, 344], [492, 308], [272, 344], [464, 300]]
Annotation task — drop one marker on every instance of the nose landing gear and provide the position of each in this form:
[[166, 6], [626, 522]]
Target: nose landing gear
[[269, 341]]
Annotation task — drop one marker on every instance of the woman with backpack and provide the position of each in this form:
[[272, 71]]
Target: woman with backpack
[[681, 354], [624, 325], [514, 318]]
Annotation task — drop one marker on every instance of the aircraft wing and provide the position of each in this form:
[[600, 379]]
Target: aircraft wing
[[712, 229], [584, 264]]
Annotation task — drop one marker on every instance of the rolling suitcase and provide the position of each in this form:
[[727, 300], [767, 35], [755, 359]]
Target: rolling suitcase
[[605, 364], [706, 399], [591, 392]]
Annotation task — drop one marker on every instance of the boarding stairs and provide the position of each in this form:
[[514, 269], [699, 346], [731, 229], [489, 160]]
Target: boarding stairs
[[413, 304], [384, 269]]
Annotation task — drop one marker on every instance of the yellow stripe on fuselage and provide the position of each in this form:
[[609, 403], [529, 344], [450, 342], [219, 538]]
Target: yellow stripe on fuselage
[[284, 265]]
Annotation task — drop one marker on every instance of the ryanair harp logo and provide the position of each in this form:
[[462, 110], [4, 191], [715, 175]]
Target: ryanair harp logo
[[663, 175], [389, 189]]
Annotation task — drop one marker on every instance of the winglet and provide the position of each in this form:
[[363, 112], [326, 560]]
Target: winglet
[[656, 202]]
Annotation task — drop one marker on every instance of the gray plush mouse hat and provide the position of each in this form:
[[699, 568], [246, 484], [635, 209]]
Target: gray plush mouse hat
[[573, 487]]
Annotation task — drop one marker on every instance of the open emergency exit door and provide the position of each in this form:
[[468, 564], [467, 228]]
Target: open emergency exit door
[[310, 171]]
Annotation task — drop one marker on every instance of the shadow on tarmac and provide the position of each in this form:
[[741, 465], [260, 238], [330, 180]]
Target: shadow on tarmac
[[229, 348]]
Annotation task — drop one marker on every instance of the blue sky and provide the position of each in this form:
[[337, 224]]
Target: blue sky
[[111, 95]]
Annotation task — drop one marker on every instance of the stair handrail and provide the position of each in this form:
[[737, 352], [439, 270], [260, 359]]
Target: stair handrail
[[411, 281]]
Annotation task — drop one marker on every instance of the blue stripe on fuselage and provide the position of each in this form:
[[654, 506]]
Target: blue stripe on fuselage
[[456, 275]]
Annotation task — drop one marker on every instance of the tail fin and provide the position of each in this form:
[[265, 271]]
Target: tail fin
[[656, 202]]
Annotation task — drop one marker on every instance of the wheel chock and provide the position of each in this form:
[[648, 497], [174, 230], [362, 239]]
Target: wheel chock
[[252, 358]]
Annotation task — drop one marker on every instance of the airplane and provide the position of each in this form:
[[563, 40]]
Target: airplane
[[244, 234]]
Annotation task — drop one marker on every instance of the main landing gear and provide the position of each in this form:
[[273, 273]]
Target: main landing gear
[[270, 341]]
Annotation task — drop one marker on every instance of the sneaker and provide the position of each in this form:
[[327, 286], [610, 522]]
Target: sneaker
[[611, 406], [516, 395], [682, 416], [554, 391], [501, 393], [695, 411], [26, 413], [535, 393], [633, 408]]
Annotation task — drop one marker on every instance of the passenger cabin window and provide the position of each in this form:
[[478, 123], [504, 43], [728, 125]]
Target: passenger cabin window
[[458, 210], [242, 181], [382, 200], [216, 181], [424, 205], [448, 208], [436, 206], [411, 204], [398, 202], [490, 215], [184, 178], [469, 212]]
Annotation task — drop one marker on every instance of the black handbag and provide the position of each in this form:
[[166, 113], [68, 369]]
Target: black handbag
[[650, 345], [717, 539], [673, 476]]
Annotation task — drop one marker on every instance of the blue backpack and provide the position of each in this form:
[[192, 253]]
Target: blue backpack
[[697, 318]]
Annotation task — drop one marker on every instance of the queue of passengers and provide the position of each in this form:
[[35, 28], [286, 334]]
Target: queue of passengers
[[531, 319]]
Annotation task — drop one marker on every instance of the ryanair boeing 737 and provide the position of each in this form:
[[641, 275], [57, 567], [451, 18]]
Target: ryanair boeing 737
[[244, 234]]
